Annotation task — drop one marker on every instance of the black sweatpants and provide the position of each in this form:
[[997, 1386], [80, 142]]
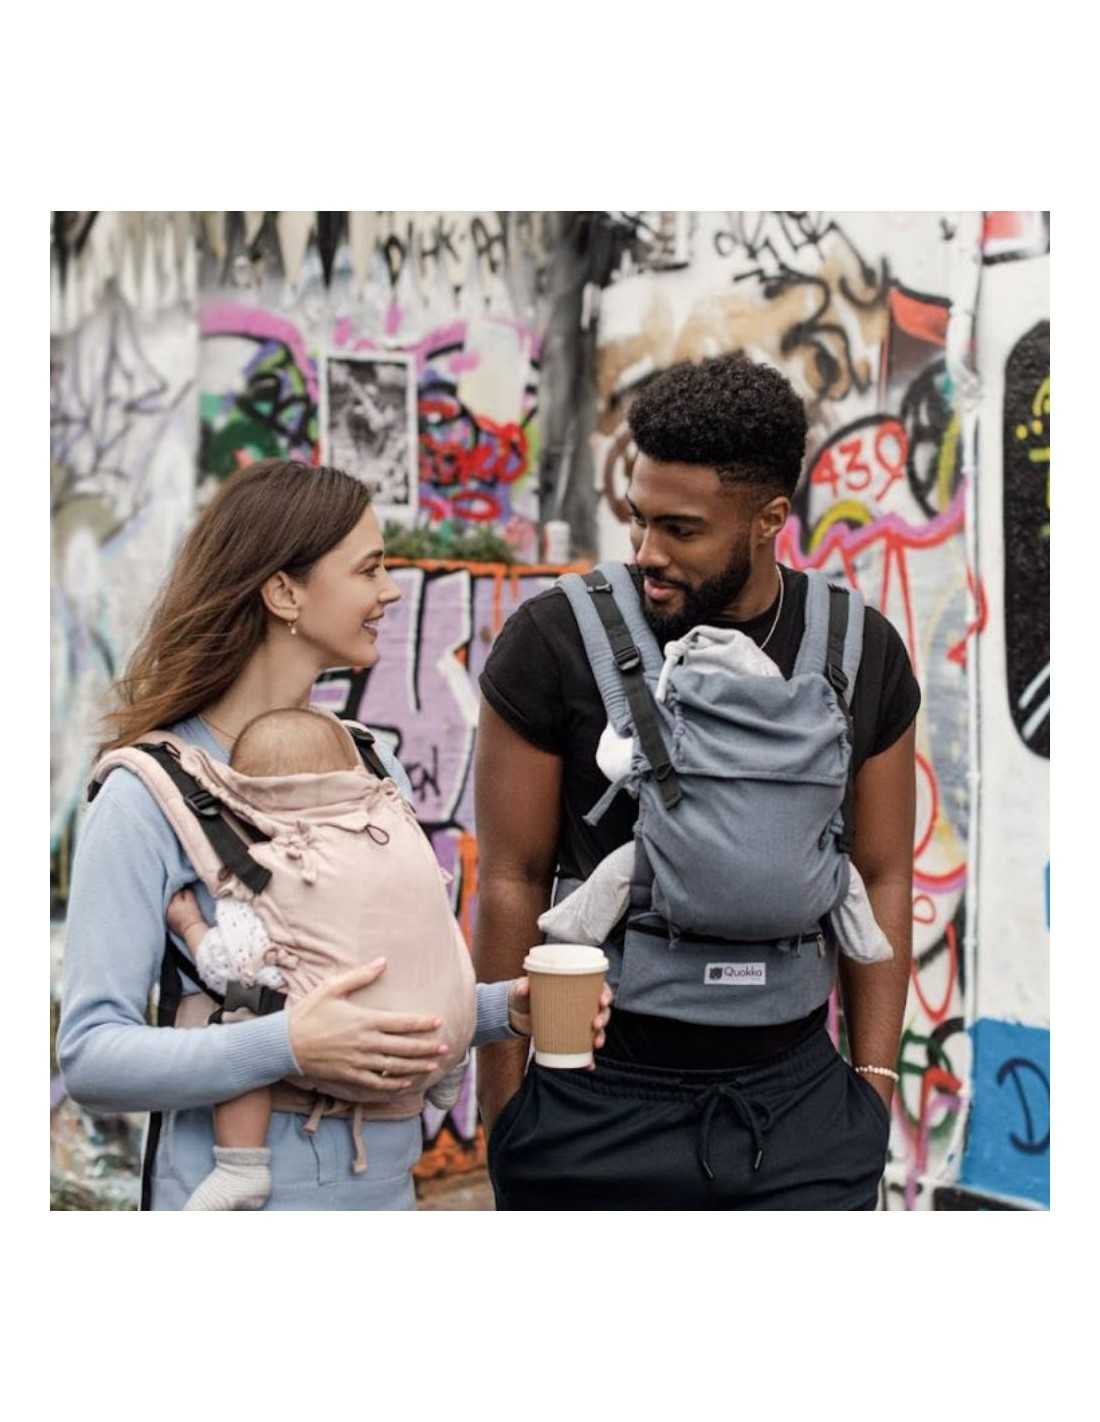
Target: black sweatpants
[[800, 1131]]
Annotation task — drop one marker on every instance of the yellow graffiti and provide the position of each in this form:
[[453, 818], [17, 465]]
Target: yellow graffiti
[[847, 511], [1040, 424], [1040, 421], [946, 464]]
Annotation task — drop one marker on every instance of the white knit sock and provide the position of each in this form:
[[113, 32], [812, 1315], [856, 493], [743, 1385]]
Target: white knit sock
[[240, 1180]]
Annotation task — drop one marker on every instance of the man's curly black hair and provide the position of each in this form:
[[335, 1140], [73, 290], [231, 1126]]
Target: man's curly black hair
[[729, 414]]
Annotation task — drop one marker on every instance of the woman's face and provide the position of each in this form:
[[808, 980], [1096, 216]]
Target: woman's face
[[345, 598]]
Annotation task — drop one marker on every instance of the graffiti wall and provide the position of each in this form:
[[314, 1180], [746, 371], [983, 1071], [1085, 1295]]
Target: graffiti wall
[[525, 337], [1008, 1142], [856, 309], [461, 295], [123, 447], [123, 441]]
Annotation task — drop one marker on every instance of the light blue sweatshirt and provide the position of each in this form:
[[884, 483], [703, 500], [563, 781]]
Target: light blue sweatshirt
[[127, 867]]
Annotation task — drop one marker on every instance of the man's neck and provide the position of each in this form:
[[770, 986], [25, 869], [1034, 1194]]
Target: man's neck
[[757, 595]]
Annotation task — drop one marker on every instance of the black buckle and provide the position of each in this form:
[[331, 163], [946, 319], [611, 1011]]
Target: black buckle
[[203, 803], [259, 1000], [837, 680], [238, 996], [628, 658]]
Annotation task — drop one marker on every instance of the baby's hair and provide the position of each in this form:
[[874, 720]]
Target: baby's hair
[[293, 741]]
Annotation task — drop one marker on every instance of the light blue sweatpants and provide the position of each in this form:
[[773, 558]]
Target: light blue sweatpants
[[308, 1171]]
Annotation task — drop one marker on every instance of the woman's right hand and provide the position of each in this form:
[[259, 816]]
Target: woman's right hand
[[338, 1040]]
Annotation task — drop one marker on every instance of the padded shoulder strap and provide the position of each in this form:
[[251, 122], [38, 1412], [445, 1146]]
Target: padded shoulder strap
[[831, 612], [629, 668], [843, 649], [195, 814], [598, 648], [364, 744]]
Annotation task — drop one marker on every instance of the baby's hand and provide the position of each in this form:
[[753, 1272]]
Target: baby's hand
[[184, 914], [519, 1006]]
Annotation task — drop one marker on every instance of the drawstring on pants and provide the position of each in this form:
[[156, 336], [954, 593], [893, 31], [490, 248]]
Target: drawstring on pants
[[360, 1162], [328, 1106], [746, 1111]]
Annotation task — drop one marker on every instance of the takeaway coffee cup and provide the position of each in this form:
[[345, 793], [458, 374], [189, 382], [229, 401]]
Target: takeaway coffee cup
[[566, 979]]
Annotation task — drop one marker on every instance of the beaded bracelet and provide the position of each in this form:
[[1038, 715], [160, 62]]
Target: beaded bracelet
[[879, 1071]]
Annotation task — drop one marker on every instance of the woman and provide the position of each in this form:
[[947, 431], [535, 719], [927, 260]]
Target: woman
[[281, 577]]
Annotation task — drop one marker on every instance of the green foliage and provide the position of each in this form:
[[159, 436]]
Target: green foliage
[[450, 540]]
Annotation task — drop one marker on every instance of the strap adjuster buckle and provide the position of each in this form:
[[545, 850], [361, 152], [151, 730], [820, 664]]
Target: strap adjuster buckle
[[604, 587], [628, 658], [258, 999], [836, 678], [203, 803]]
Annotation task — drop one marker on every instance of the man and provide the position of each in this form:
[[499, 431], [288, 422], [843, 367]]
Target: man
[[679, 1114]]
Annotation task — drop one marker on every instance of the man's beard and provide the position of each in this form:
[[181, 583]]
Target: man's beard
[[700, 604]]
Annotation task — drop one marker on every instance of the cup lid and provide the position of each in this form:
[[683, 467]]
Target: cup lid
[[566, 958]]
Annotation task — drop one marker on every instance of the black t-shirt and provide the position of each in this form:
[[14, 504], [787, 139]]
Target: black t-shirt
[[537, 678]]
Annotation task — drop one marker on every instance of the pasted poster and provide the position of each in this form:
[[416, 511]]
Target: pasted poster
[[369, 424]]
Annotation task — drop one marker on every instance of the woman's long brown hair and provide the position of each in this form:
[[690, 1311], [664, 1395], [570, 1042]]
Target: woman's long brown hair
[[209, 617]]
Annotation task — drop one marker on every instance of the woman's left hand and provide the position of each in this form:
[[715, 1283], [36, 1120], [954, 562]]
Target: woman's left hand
[[519, 1011]]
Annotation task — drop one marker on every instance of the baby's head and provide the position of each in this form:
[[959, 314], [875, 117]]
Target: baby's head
[[294, 741]]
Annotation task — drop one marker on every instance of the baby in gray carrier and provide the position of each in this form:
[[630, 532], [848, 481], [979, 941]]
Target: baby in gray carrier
[[592, 912]]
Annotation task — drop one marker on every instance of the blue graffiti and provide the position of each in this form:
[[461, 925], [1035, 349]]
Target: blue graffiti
[[1008, 1138]]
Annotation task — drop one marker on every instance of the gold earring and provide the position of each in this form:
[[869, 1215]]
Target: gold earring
[[293, 627]]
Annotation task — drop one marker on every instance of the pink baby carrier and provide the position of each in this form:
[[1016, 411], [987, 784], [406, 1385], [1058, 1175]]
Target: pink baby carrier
[[340, 873]]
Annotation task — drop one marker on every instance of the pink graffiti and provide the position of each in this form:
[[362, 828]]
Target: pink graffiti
[[228, 318]]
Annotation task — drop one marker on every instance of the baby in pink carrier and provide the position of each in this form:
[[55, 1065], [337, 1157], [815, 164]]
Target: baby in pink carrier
[[353, 876]]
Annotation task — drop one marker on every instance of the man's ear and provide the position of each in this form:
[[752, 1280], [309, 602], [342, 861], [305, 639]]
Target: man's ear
[[280, 596], [773, 516]]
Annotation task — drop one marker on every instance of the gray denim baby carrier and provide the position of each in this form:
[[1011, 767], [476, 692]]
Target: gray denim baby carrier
[[744, 789]]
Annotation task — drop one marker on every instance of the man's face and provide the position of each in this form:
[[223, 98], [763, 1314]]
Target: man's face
[[692, 540]]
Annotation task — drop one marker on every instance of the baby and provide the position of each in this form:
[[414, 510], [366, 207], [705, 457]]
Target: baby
[[590, 913], [239, 948]]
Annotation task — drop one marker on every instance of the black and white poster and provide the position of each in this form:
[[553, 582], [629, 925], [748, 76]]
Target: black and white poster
[[368, 424]]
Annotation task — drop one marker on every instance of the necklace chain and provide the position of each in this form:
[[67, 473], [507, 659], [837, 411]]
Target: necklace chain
[[778, 613], [213, 726]]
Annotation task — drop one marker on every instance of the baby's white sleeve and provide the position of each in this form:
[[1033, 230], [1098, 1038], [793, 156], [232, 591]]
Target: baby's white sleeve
[[213, 960], [246, 942]]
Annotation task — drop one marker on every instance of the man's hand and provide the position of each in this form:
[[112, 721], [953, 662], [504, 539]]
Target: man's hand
[[519, 1011], [882, 1084]]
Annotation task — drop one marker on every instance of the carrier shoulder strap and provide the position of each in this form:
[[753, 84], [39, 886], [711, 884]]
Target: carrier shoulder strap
[[832, 643], [198, 817], [168, 1002], [364, 744], [827, 642], [601, 657], [620, 655], [208, 811]]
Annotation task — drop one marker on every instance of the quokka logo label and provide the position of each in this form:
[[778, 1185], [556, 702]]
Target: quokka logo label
[[735, 974]]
